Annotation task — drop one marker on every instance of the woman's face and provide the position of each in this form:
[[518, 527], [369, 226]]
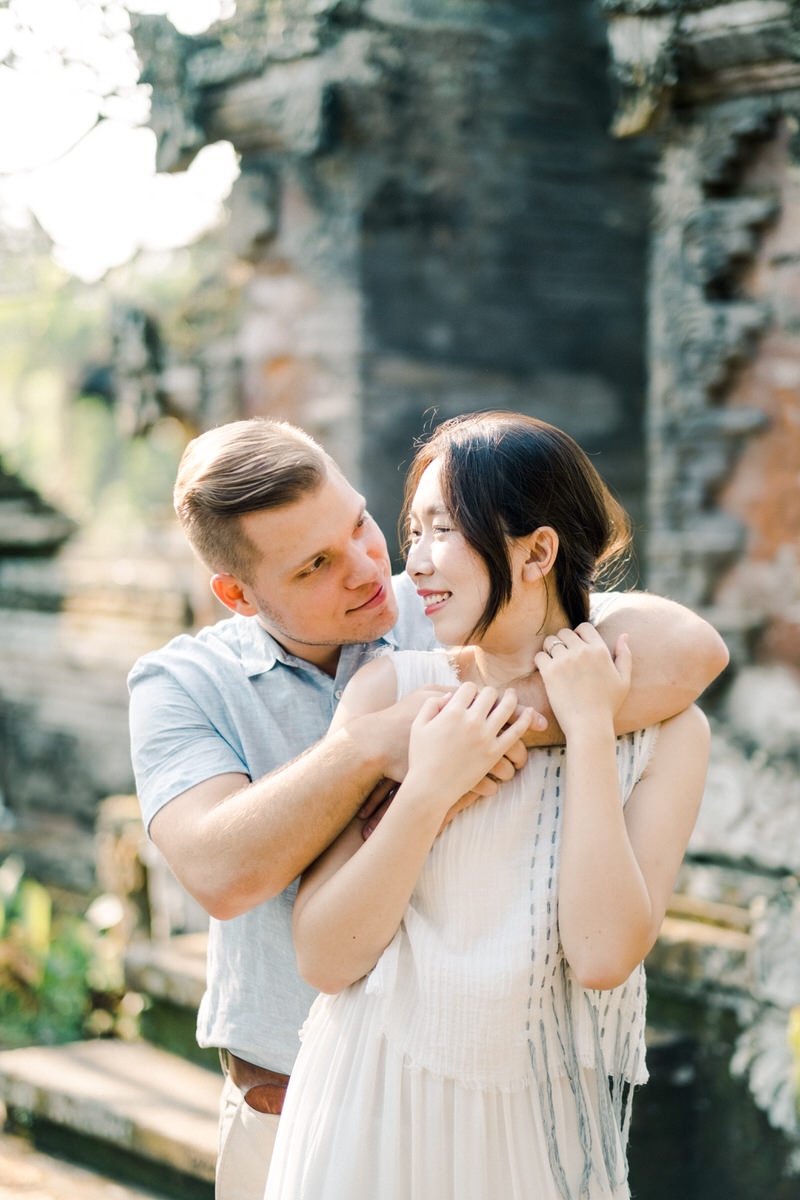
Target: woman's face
[[450, 577]]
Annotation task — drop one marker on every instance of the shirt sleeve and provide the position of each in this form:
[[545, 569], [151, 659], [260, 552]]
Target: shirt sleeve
[[174, 743]]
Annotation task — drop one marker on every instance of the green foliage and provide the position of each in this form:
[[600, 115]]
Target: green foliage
[[60, 977]]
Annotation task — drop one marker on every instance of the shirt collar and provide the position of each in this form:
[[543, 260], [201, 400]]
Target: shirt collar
[[260, 651]]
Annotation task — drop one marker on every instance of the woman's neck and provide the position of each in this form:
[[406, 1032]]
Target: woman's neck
[[504, 656]]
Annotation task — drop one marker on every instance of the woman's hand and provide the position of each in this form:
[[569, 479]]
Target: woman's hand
[[457, 740], [583, 682]]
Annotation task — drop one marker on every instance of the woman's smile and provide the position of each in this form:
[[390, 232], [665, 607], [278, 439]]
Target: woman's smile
[[438, 550], [433, 601]]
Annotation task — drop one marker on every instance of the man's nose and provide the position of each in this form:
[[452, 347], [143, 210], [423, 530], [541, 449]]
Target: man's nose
[[364, 566]]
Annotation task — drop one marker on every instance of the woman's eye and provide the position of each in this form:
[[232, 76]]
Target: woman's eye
[[442, 529], [414, 534]]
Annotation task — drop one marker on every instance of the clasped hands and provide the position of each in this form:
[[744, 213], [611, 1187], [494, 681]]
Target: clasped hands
[[574, 669], [503, 770]]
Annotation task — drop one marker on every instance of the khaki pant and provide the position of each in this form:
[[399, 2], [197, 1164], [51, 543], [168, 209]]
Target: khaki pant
[[246, 1138]]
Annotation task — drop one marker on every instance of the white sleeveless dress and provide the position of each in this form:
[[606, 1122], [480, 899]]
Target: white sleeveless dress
[[470, 1064]]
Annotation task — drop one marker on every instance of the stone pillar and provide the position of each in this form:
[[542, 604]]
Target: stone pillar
[[431, 218], [718, 87]]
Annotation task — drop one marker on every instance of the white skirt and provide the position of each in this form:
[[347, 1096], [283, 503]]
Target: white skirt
[[361, 1123]]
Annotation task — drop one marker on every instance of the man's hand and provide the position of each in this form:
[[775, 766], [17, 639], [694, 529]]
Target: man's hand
[[378, 800]]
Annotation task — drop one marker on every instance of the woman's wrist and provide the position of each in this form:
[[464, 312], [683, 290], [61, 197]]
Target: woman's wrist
[[425, 801], [592, 728]]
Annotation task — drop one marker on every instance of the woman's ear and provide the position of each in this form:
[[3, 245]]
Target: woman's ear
[[229, 592], [542, 549]]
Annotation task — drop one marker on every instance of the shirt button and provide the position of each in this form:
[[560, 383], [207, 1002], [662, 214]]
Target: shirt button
[[338, 693]]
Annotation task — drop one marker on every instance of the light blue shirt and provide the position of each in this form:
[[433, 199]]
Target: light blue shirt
[[231, 699]]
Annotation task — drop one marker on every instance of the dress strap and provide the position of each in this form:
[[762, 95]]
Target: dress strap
[[417, 668]]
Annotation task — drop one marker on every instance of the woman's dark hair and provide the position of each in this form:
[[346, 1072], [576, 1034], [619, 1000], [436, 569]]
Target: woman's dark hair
[[503, 476]]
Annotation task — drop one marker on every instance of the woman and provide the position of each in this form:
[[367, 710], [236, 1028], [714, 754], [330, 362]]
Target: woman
[[486, 1024]]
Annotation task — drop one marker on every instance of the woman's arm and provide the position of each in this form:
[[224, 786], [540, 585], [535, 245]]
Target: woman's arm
[[618, 865], [351, 901], [676, 655]]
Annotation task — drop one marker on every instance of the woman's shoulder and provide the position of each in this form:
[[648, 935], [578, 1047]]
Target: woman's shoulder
[[374, 685], [689, 728], [686, 735], [687, 732], [393, 675]]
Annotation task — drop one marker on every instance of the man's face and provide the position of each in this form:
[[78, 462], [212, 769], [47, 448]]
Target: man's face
[[323, 577]]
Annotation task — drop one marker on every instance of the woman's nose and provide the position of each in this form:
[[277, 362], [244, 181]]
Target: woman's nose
[[418, 560]]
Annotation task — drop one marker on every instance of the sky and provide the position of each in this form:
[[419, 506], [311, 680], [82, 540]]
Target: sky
[[93, 186]]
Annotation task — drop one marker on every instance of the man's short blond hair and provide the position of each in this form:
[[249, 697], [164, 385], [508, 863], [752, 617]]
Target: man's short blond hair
[[242, 467]]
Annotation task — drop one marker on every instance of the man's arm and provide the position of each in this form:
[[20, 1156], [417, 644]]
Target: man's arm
[[676, 655], [234, 844]]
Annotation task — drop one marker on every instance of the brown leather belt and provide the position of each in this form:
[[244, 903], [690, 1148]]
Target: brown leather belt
[[263, 1090]]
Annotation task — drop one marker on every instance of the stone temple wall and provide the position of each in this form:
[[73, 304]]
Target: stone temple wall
[[431, 217], [69, 629], [717, 86]]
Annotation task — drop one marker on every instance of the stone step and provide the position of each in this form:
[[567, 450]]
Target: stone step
[[709, 912], [694, 957], [28, 1174], [173, 970], [133, 1110]]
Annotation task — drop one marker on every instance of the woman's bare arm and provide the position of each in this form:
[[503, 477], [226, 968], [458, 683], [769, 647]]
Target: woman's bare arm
[[618, 864]]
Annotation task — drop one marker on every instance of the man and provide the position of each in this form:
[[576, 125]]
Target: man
[[240, 788]]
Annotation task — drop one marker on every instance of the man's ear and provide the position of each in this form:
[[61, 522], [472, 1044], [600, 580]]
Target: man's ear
[[229, 592], [541, 552]]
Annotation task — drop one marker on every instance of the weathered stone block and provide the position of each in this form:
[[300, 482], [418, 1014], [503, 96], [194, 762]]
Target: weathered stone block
[[751, 810], [763, 708]]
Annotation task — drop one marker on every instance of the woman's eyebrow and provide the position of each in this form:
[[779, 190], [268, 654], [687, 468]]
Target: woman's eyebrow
[[430, 510]]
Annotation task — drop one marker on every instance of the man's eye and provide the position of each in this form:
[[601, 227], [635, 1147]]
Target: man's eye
[[314, 566]]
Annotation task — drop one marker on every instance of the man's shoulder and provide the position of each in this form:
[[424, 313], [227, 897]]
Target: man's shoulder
[[209, 646]]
